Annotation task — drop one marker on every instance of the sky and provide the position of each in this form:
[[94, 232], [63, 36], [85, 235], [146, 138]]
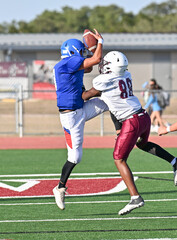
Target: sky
[[27, 10]]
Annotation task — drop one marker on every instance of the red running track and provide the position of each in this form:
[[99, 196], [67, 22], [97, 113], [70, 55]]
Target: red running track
[[89, 142]]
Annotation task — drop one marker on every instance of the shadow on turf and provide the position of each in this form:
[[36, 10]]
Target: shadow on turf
[[117, 195], [99, 214], [172, 213], [120, 194], [26, 199], [153, 178]]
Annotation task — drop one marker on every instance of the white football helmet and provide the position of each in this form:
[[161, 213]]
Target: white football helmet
[[114, 62]]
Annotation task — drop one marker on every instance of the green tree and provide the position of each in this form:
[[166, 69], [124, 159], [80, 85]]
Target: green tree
[[143, 23], [76, 20], [128, 22], [13, 27], [107, 19], [24, 27], [162, 9], [4, 28], [45, 23], [161, 17]]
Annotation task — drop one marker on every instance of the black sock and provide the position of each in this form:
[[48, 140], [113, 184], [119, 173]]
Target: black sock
[[66, 171], [158, 151]]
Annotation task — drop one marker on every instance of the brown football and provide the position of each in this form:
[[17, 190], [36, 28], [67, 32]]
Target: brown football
[[89, 40]]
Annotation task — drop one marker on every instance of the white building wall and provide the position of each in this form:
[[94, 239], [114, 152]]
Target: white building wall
[[1, 56], [48, 55], [174, 70]]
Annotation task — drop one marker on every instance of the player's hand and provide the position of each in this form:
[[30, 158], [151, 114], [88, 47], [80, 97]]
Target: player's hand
[[97, 35], [162, 131]]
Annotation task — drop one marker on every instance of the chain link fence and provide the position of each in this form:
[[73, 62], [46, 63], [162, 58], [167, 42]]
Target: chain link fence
[[32, 116]]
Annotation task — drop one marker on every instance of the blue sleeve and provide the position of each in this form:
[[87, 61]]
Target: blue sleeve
[[149, 102], [74, 63]]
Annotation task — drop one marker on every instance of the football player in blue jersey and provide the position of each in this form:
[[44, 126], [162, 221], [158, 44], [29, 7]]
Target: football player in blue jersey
[[74, 112]]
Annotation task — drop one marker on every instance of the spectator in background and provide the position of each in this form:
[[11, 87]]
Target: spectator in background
[[153, 101], [145, 94]]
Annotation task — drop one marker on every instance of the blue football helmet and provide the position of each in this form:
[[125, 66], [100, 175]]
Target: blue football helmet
[[72, 47]]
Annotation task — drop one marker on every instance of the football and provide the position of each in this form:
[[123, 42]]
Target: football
[[89, 40]]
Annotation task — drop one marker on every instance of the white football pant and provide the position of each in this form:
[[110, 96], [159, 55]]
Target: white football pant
[[73, 124]]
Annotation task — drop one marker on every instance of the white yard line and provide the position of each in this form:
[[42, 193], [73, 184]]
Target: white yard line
[[86, 219], [36, 179], [85, 202], [80, 174]]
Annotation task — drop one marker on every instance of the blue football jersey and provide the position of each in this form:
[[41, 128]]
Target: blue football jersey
[[69, 82]]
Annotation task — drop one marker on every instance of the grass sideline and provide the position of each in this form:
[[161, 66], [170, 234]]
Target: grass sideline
[[89, 217]]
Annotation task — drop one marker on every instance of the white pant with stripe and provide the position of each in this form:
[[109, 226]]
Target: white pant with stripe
[[73, 124]]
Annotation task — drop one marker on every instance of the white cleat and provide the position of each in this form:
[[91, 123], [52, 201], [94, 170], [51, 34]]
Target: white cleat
[[59, 194], [175, 173], [133, 204], [175, 178]]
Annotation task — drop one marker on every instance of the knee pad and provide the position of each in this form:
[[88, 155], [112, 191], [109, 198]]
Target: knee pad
[[139, 143], [75, 156]]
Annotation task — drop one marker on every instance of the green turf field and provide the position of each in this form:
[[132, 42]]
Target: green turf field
[[88, 217]]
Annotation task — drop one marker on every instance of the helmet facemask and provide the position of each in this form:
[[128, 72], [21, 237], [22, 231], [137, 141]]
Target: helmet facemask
[[103, 67]]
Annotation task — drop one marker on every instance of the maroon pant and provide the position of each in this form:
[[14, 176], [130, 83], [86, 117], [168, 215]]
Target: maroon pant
[[133, 128]]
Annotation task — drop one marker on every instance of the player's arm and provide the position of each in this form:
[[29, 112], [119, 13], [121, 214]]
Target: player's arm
[[164, 130], [86, 95], [97, 56], [88, 70]]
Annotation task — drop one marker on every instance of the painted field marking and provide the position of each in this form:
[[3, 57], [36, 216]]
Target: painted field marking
[[80, 174], [26, 184], [85, 202], [87, 186], [42, 186], [85, 219]]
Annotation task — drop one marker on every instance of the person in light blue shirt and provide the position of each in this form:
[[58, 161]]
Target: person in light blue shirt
[[153, 102]]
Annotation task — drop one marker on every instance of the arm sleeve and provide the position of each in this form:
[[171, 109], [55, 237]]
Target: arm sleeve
[[74, 63], [102, 83]]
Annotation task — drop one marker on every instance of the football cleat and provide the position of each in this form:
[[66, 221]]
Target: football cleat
[[133, 204], [59, 194], [175, 173]]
